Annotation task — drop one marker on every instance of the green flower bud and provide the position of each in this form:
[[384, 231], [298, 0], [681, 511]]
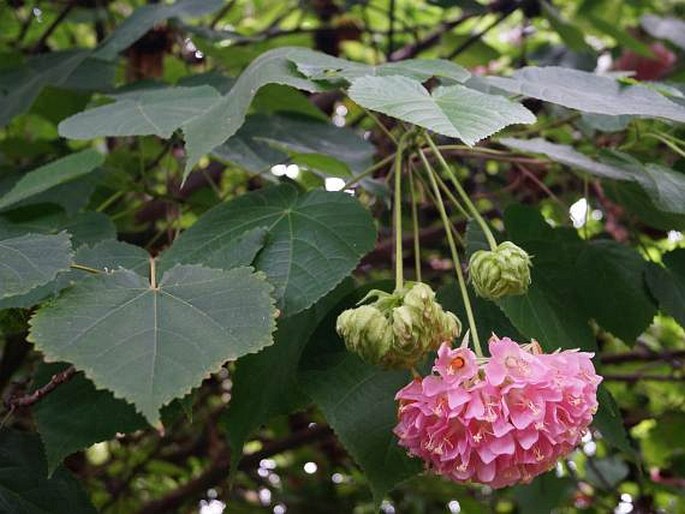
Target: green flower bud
[[414, 324], [502, 272], [366, 332]]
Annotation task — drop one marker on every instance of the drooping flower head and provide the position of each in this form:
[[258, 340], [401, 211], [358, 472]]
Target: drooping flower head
[[501, 420]]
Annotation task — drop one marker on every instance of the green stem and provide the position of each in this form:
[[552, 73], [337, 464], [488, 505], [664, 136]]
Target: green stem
[[369, 171], [586, 195], [399, 272], [430, 194], [109, 201], [465, 198], [87, 269], [451, 197], [672, 145], [381, 126], [415, 226], [455, 255]]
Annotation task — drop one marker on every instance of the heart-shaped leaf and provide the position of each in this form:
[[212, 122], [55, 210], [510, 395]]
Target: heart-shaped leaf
[[454, 111], [588, 92], [320, 66], [167, 337], [314, 240]]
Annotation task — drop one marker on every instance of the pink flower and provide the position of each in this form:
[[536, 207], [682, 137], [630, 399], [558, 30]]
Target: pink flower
[[455, 366], [502, 422]]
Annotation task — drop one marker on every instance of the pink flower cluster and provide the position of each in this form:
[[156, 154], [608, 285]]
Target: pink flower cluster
[[502, 420]]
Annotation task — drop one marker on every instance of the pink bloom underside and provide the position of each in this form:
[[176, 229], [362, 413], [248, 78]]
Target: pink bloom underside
[[504, 424]]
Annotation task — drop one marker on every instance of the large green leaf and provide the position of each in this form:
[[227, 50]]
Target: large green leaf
[[167, 337], [264, 140], [667, 284], [206, 132], [455, 111], [358, 401], [77, 415], [265, 385], [588, 92], [105, 256], [146, 17], [314, 240], [24, 485], [319, 66], [609, 422], [551, 310], [544, 494], [31, 260], [51, 175], [567, 155], [609, 280], [489, 317], [665, 186], [21, 85], [158, 111]]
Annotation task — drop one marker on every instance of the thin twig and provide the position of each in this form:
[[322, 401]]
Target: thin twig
[[432, 39], [30, 399], [638, 377], [533, 177], [640, 355], [220, 466], [477, 36]]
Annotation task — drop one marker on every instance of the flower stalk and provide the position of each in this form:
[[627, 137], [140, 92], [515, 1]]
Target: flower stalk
[[455, 254]]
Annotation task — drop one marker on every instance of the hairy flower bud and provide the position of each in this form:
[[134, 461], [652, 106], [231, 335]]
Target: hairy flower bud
[[397, 330], [501, 272], [366, 332]]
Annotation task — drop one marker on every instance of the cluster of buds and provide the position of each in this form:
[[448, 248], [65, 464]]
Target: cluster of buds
[[499, 420], [500, 272], [397, 330]]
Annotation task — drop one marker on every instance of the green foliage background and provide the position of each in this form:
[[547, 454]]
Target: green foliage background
[[175, 247]]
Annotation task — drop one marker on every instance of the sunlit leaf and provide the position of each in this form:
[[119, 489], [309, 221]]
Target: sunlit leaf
[[454, 111]]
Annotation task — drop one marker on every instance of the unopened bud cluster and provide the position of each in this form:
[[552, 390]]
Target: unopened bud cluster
[[397, 330], [500, 272]]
